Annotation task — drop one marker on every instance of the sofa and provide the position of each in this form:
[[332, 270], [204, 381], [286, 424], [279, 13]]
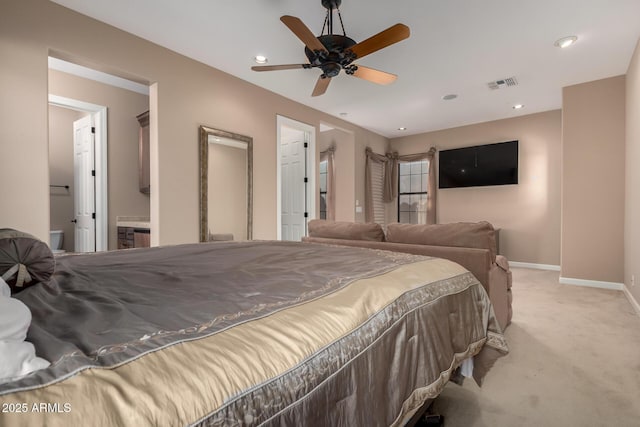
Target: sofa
[[472, 245]]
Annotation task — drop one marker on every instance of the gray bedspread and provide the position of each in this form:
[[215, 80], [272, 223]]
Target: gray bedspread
[[109, 308]]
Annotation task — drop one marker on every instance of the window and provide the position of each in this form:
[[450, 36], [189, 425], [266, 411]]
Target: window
[[323, 189], [412, 192]]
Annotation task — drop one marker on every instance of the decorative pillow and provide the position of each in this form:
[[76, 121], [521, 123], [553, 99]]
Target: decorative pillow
[[346, 230], [479, 235], [24, 260]]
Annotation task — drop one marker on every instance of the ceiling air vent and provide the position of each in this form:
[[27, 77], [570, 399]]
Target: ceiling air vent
[[510, 81]]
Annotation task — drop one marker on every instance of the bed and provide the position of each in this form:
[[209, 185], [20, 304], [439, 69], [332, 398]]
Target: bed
[[248, 333]]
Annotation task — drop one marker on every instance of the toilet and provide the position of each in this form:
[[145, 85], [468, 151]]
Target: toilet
[[56, 238]]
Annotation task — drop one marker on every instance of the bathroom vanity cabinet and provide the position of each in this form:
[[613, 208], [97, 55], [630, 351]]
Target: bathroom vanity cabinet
[[133, 232]]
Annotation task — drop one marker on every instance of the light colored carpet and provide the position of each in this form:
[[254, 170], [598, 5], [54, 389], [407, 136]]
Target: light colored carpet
[[574, 361]]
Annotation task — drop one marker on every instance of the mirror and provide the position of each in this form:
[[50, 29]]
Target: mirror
[[226, 185], [337, 149]]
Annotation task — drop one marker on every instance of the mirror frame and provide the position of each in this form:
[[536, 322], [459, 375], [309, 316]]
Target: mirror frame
[[205, 132]]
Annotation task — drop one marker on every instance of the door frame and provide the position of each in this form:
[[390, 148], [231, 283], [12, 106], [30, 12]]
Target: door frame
[[101, 194], [311, 169]]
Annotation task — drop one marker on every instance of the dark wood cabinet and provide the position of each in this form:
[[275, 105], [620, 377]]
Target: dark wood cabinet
[[133, 237], [125, 238], [144, 161]]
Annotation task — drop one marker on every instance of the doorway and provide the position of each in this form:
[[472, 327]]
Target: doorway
[[296, 178], [86, 190], [83, 91]]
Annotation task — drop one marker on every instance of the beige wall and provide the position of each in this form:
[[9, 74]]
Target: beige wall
[[593, 130], [528, 214], [185, 94], [61, 171], [124, 196], [632, 180], [344, 162]]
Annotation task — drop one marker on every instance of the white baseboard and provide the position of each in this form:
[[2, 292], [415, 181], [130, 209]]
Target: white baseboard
[[632, 300], [592, 283], [549, 267]]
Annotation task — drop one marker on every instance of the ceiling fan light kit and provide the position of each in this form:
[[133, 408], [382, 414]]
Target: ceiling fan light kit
[[565, 42], [335, 52]]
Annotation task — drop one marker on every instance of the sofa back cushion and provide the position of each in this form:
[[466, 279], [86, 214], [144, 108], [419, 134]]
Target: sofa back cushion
[[346, 230], [480, 235]]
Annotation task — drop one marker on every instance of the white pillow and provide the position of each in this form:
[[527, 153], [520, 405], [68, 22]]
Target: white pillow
[[17, 357], [15, 319], [5, 290]]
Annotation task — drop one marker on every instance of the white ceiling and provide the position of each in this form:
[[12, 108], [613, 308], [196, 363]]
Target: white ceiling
[[456, 46]]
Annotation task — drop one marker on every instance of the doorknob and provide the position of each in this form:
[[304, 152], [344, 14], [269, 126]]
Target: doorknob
[[74, 221]]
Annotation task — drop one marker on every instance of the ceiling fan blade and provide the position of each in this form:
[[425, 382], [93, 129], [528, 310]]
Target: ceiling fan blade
[[321, 86], [278, 67], [381, 40], [303, 32], [375, 76]]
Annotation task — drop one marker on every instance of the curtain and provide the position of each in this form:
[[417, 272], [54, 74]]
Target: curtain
[[329, 156], [391, 162], [371, 157]]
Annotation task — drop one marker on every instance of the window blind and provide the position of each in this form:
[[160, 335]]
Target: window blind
[[377, 183]]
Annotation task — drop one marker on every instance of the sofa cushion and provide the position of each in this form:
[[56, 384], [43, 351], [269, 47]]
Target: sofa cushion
[[346, 230], [479, 235]]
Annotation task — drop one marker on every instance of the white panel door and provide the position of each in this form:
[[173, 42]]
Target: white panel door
[[84, 185], [293, 158]]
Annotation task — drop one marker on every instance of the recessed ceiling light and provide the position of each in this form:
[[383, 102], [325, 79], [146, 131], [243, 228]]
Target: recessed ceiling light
[[450, 96], [402, 128], [260, 59], [518, 106], [565, 41]]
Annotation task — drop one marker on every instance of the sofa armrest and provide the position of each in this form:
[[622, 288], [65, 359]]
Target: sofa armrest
[[502, 262], [500, 294]]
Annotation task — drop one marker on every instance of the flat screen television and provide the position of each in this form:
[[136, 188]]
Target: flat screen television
[[482, 165]]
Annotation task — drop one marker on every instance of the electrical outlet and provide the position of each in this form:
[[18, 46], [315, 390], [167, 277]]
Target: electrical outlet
[[633, 280]]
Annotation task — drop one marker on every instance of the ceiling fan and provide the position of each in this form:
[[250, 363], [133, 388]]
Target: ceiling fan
[[334, 52]]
